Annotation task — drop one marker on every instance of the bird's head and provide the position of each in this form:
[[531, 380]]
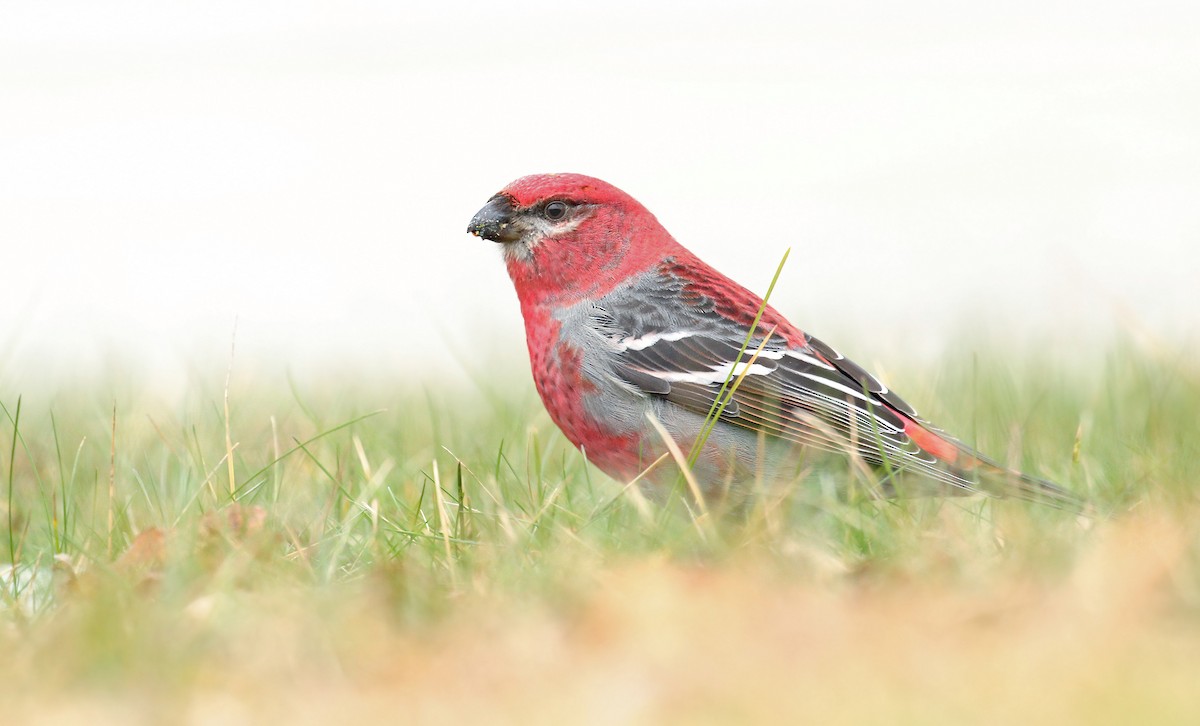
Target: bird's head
[[570, 235]]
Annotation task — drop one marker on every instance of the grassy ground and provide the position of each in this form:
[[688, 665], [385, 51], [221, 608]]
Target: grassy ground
[[371, 551]]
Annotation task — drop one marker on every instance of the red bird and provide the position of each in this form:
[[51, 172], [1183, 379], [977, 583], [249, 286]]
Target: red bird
[[634, 340]]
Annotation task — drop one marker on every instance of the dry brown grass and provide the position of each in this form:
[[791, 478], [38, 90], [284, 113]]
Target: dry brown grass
[[1114, 639]]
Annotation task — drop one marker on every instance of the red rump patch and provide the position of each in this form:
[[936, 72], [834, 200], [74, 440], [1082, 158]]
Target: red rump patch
[[931, 442]]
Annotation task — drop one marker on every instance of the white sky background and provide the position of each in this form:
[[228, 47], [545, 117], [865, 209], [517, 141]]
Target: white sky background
[[1025, 172]]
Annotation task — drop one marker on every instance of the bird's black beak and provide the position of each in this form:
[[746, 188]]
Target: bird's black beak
[[495, 221]]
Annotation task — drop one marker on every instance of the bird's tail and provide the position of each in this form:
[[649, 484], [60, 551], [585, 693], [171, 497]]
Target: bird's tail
[[978, 472], [999, 481]]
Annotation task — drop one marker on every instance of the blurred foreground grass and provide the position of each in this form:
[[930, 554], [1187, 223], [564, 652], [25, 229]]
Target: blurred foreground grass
[[386, 552]]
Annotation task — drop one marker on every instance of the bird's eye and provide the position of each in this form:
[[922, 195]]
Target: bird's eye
[[555, 211]]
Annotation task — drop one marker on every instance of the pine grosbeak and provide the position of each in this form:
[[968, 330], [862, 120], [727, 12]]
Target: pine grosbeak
[[625, 325]]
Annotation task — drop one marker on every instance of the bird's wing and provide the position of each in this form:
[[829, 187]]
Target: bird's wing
[[797, 394], [800, 390]]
